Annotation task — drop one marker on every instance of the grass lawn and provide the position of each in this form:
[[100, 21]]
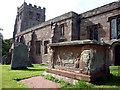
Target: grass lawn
[[113, 81], [10, 77]]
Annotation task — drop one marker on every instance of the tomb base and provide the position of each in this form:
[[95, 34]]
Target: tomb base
[[77, 76]]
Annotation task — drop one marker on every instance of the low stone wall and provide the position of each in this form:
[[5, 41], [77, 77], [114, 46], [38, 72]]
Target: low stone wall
[[84, 57]]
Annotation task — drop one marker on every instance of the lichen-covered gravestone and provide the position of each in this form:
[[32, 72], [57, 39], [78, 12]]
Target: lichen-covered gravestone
[[20, 59], [87, 58]]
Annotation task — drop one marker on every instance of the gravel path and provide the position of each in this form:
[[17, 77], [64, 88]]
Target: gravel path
[[39, 82]]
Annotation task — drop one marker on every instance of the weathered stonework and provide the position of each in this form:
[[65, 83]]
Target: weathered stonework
[[43, 33], [99, 16], [27, 17], [80, 57], [66, 79], [75, 27], [20, 59]]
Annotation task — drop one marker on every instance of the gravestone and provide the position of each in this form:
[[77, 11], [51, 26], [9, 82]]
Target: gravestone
[[6, 59], [20, 59]]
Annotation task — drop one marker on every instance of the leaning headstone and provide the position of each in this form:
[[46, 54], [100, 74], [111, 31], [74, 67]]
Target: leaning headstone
[[20, 59]]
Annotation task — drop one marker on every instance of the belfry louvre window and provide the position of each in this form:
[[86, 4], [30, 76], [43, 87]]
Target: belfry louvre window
[[115, 28], [38, 17], [38, 47], [45, 47], [30, 15]]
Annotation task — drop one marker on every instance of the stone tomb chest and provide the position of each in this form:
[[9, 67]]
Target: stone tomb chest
[[85, 59]]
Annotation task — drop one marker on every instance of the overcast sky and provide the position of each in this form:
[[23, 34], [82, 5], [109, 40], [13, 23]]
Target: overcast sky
[[54, 8]]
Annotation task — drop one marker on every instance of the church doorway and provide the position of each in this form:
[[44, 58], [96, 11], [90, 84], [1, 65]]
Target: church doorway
[[117, 55]]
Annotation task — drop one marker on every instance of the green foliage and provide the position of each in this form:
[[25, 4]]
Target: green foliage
[[83, 84], [80, 84], [63, 83], [50, 77], [6, 44], [10, 77], [1, 35], [112, 81]]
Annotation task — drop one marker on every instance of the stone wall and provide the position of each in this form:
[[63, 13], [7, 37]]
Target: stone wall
[[28, 16], [76, 27], [99, 16], [43, 33]]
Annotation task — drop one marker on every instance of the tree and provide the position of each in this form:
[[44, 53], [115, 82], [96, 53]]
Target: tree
[[1, 37], [6, 45]]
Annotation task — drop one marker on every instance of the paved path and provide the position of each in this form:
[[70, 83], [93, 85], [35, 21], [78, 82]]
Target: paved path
[[39, 82]]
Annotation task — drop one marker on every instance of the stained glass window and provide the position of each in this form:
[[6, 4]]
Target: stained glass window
[[118, 28], [113, 29]]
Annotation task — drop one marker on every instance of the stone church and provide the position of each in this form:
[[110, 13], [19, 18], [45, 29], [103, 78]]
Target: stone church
[[101, 24]]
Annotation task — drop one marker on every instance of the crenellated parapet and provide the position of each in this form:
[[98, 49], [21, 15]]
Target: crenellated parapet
[[30, 6], [29, 15]]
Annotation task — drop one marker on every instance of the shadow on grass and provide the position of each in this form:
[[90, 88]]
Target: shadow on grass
[[29, 70], [111, 80], [44, 65], [34, 69]]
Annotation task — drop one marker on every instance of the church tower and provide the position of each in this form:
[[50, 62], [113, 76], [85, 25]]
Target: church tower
[[27, 17]]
